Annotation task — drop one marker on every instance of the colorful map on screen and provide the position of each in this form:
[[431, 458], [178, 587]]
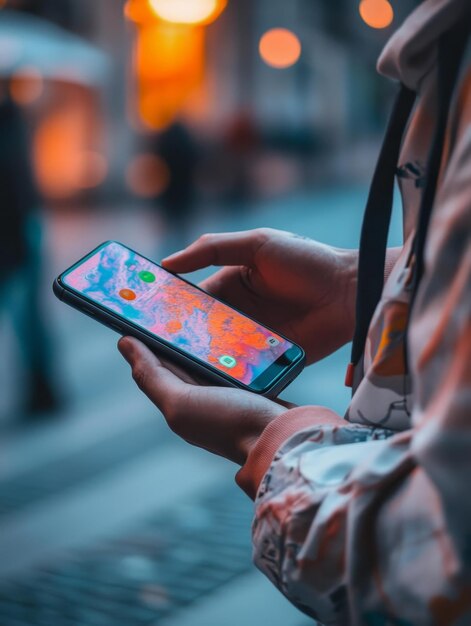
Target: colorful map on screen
[[145, 294]]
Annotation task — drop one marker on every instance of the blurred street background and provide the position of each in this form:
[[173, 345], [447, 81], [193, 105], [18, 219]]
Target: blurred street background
[[152, 122]]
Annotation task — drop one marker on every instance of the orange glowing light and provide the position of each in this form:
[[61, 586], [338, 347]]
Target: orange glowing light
[[63, 162], [169, 66], [164, 51], [26, 86], [138, 11], [188, 11], [169, 56], [376, 13], [280, 48], [55, 143], [147, 175]]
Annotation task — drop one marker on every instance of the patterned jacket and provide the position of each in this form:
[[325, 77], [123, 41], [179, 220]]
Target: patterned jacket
[[367, 521]]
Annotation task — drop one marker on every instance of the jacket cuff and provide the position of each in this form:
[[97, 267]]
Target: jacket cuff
[[274, 436]]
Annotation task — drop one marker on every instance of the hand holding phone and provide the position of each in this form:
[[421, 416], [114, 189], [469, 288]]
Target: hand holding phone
[[301, 287], [224, 421], [206, 337]]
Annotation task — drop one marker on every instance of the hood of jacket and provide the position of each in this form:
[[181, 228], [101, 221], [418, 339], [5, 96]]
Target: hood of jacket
[[412, 51]]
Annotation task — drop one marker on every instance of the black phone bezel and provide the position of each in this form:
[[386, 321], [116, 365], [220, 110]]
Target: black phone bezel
[[291, 359]]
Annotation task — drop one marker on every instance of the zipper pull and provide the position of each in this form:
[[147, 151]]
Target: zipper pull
[[349, 375]]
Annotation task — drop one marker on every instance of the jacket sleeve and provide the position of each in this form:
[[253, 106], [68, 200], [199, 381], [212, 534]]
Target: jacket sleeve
[[362, 526]]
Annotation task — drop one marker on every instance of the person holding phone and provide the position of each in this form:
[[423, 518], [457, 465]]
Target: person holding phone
[[362, 519]]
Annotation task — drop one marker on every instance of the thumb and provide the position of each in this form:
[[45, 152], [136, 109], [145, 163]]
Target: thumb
[[161, 385]]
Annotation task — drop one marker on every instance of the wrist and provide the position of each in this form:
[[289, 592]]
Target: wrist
[[250, 429], [245, 446], [275, 434]]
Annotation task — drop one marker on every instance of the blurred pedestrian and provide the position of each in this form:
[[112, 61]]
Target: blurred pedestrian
[[177, 148], [20, 258], [242, 140]]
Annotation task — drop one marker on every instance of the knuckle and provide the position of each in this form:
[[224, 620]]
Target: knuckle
[[209, 241], [206, 238], [263, 234]]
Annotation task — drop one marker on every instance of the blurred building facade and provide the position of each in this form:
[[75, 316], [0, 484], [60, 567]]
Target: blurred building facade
[[308, 117]]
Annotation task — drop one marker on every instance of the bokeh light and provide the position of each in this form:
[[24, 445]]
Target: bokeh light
[[64, 163], [147, 175], [280, 48], [163, 87], [188, 11], [26, 86], [376, 13]]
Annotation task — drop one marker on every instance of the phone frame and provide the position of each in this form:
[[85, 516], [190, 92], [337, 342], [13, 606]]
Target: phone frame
[[269, 386]]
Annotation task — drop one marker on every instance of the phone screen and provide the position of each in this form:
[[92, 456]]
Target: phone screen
[[145, 294]]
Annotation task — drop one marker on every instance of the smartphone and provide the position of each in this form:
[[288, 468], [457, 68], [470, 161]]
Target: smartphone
[[179, 321]]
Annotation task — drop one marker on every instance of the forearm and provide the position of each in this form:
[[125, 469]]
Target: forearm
[[303, 504]]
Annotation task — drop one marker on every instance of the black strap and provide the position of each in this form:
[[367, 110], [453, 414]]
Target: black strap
[[375, 228]]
